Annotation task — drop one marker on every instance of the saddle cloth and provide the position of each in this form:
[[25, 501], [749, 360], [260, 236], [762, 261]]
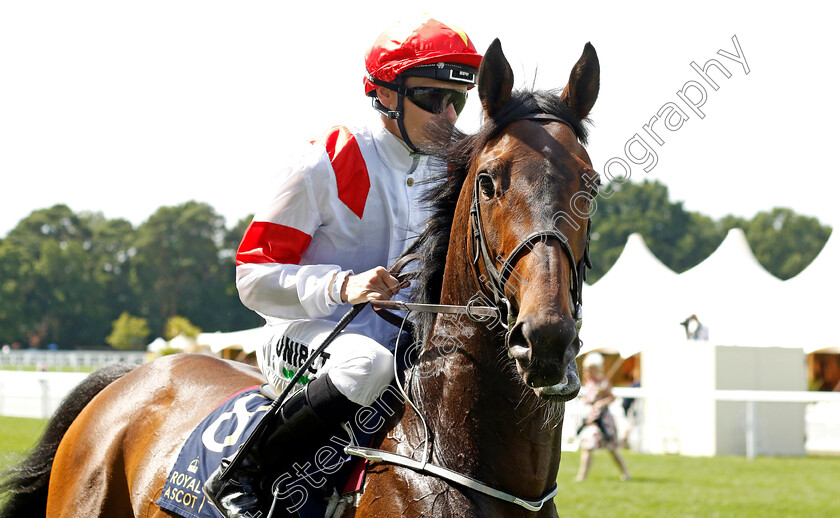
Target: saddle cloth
[[306, 488]]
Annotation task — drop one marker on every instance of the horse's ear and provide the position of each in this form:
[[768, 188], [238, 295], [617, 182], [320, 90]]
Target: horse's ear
[[495, 79], [584, 82]]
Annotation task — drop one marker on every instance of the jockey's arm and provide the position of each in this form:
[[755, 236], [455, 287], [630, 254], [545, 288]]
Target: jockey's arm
[[269, 277], [375, 284]]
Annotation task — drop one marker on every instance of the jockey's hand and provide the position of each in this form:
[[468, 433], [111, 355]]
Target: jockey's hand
[[375, 284]]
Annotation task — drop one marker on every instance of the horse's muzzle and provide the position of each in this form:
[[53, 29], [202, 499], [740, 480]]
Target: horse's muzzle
[[567, 389], [545, 347]]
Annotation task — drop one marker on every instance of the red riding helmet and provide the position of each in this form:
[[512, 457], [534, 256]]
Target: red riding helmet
[[402, 47]]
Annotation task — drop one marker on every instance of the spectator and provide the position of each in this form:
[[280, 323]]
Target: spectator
[[598, 430], [694, 329]]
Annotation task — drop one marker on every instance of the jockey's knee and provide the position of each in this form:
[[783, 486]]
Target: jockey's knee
[[362, 377]]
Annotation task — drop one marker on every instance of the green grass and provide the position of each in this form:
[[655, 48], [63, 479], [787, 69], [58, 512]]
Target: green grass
[[673, 486], [18, 434], [662, 486]]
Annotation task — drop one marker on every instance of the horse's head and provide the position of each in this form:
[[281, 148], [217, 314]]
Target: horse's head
[[532, 184]]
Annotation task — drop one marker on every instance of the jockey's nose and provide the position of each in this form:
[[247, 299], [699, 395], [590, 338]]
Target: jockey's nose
[[450, 113]]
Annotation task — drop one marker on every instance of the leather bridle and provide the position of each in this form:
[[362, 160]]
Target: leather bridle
[[494, 287], [496, 281]]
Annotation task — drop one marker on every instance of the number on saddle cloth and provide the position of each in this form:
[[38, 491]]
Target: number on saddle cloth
[[221, 433], [217, 436]]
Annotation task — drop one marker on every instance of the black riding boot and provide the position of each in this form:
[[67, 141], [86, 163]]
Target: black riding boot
[[304, 420]]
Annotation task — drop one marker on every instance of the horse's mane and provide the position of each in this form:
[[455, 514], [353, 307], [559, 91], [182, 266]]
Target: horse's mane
[[452, 152]]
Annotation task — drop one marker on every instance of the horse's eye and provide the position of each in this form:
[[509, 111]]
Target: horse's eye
[[485, 183]]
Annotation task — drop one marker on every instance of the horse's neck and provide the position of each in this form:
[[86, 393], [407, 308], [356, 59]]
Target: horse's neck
[[484, 421]]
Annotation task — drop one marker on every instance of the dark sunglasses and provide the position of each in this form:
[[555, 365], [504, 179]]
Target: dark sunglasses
[[435, 100]]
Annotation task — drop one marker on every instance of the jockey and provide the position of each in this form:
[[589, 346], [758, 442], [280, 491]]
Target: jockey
[[347, 208]]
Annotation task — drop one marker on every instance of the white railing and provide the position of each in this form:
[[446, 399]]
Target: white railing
[[24, 393], [822, 413], [35, 394], [75, 360], [765, 396]]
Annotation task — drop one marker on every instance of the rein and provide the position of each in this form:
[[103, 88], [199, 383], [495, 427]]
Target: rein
[[496, 282]]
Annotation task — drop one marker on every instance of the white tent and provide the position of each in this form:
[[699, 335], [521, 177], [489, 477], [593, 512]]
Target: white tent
[[157, 345], [810, 299], [640, 302], [182, 342], [631, 306], [248, 340], [732, 294]]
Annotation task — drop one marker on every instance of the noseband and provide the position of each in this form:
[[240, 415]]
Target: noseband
[[497, 279]]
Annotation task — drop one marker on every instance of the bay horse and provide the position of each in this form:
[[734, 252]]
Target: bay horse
[[511, 229]]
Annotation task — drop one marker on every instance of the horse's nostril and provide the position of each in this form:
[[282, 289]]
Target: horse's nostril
[[518, 347]]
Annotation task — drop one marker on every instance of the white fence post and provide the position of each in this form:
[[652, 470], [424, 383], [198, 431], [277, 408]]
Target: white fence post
[[45, 398], [750, 430]]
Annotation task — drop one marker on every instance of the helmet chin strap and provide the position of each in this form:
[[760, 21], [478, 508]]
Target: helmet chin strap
[[401, 124], [399, 113]]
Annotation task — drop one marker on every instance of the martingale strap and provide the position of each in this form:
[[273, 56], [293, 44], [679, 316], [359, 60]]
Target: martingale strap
[[375, 455]]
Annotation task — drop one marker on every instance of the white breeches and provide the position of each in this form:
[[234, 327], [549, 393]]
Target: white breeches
[[358, 366]]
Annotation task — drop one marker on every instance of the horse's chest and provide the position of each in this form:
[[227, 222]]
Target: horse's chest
[[401, 492]]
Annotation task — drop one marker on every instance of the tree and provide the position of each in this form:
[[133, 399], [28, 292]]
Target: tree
[[68, 278], [680, 239], [13, 318], [112, 252], [784, 242], [177, 269], [52, 279], [57, 223], [180, 326], [129, 332]]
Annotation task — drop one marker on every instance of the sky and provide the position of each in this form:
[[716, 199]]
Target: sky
[[124, 107]]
